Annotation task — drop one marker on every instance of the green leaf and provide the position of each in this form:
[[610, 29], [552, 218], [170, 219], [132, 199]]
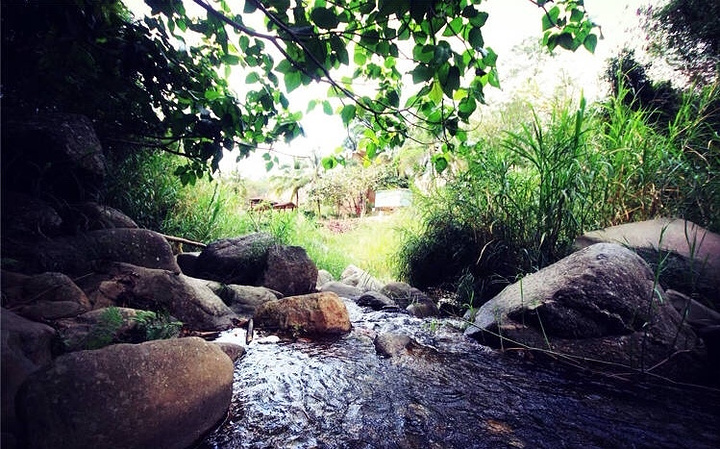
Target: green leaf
[[212, 94], [550, 19], [423, 53], [327, 109], [252, 77], [324, 18], [453, 27], [590, 43], [475, 38], [436, 93], [292, 81], [422, 73], [249, 7], [452, 81], [329, 162], [478, 21], [566, 41], [440, 162], [348, 113], [230, 59], [466, 107]]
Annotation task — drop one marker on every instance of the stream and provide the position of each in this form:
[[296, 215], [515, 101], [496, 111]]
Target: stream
[[446, 392]]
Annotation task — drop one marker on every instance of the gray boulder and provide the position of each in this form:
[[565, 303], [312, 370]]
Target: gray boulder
[[599, 303], [388, 344], [289, 270], [323, 278], [360, 278], [316, 314], [58, 154], [693, 263], [411, 299], [188, 299], [164, 393], [341, 289], [26, 217], [91, 216], [240, 260], [375, 300], [79, 255], [26, 347], [46, 296], [243, 299], [188, 263]]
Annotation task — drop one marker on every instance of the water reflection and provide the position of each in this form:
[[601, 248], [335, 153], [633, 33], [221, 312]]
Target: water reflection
[[448, 392]]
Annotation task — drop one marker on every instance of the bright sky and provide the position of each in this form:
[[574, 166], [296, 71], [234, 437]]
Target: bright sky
[[510, 25]]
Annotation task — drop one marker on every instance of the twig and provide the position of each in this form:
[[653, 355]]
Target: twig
[[182, 240]]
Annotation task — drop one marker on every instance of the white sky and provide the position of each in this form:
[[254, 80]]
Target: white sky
[[510, 24]]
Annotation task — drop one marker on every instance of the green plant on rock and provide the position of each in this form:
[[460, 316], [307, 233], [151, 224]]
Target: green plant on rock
[[157, 326], [104, 332]]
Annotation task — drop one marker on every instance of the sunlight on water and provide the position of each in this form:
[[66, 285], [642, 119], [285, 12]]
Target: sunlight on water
[[445, 392]]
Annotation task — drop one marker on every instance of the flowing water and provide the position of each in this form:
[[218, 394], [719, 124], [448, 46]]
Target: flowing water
[[445, 392]]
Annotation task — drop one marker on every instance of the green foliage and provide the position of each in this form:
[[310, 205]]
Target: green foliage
[[105, 331], [161, 81], [157, 326], [526, 195], [143, 186], [687, 34]]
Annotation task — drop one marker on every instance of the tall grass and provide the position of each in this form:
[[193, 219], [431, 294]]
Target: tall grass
[[145, 188], [529, 192]]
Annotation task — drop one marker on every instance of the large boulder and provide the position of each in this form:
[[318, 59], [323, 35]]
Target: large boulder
[[599, 303], [91, 216], [57, 154], [164, 393], [188, 299], [240, 260], [78, 255], [25, 217], [46, 296], [289, 270], [26, 347], [411, 299], [342, 289], [316, 314], [690, 253], [357, 277], [243, 299]]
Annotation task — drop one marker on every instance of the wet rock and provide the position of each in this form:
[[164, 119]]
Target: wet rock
[[57, 154], [289, 270], [26, 347], [188, 299], [360, 278], [99, 328], [598, 303], [375, 300], [188, 263], [693, 265], [91, 216], [231, 349], [243, 299], [164, 393], [341, 289], [316, 314], [46, 296], [391, 345], [239, 260], [25, 217], [411, 299], [323, 278], [78, 255]]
